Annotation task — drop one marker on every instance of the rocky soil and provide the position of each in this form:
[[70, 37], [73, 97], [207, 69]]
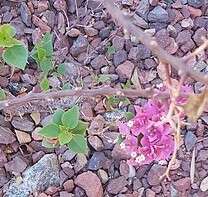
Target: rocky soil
[[88, 41]]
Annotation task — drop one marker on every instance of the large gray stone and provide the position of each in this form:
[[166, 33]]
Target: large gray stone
[[40, 176], [158, 14]]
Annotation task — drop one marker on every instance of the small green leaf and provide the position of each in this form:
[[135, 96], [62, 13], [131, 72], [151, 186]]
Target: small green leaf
[[111, 50], [57, 116], [16, 56], [50, 131], [70, 118], [120, 139], [64, 137], [78, 144], [41, 53], [46, 65], [61, 69], [44, 84], [2, 95], [128, 115], [80, 128]]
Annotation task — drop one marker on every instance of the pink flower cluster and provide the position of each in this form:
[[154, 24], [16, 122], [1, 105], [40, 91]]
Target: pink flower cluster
[[147, 138]]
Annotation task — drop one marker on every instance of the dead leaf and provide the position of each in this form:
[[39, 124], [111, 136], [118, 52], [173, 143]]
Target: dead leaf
[[23, 137], [135, 80], [192, 169], [195, 105], [36, 117]]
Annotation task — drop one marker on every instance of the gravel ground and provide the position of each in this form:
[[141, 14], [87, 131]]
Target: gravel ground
[[88, 41]]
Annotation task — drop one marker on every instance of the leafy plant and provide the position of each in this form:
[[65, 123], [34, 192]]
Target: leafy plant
[[2, 94], [14, 51], [111, 50], [42, 53], [66, 129]]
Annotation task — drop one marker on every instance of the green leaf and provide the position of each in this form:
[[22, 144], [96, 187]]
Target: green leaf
[[78, 144], [2, 95], [47, 44], [44, 84], [120, 139], [70, 118], [128, 115], [16, 56], [103, 78], [64, 137], [57, 116], [46, 64], [50, 131], [7, 33], [111, 50], [80, 128], [61, 69], [41, 53]]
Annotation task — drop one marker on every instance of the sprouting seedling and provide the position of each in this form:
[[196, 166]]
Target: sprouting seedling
[[42, 53], [66, 129], [14, 51]]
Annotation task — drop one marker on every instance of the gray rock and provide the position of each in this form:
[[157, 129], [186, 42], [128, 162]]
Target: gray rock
[[143, 8], [158, 14], [3, 178], [119, 57], [16, 165], [99, 62], [155, 173], [104, 33], [6, 136], [96, 161], [25, 14], [190, 140], [23, 124], [196, 3], [79, 46], [37, 178], [116, 185], [68, 155]]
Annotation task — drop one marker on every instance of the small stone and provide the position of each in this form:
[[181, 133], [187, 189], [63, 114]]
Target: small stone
[[4, 70], [104, 33], [119, 57], [187, 22], [139, 21], [116, 185], [79, 192], [16, 165], [103, 176], [202, 155], [64, 194], [198, 36], [127, 2], [118, 42], [99, 62], [158, 14], [42, 6], [204, 184], [96, 161], [3, 178], [183, 184], [119, 153], [137, 184], [41, 24], [51, 190], [96, 126], [190, 140], [68, 155], [23, 137], [183, 37], [37, 156], [80, 162], [163, 38], [60, 5], [69, 185], [139, 53], [96, 143], [3, 82], [90, 183], [25, 14], [124, 169], [90, 31], [194, 11], [79, 46], [3, 158], [125, 70], [6, 136], [143, 8], [73, 32], [22, 124], [150, 193], [196, 3], [155, 173]]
